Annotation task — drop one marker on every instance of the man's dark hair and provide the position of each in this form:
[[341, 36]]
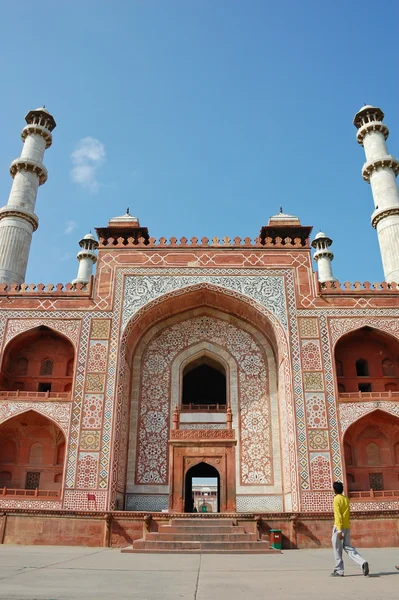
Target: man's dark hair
[[338, 487]]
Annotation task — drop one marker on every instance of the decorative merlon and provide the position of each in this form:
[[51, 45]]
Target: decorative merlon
[[194, 242], [336, 288]]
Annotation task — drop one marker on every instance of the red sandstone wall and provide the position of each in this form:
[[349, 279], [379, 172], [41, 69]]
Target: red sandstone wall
[[88, 530], [48, 530]]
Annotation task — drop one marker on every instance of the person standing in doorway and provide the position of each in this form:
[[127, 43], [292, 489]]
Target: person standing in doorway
[[341, 534]]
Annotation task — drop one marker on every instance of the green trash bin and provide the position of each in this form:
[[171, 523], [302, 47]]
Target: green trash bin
[[203, 508], [275, 539]]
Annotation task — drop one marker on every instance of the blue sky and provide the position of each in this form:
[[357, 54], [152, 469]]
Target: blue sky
[[202, 116]]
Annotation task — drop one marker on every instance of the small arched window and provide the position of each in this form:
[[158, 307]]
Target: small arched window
[[348, 454], [8, 452], [391, 387], [339, 368], [61, 454], [341, 388], [69, 371], [46, 368], [397, 454], [18, 385], [36, 454], [5, 478], [388, 368], [362, 368], [20, 367], [373, 454]]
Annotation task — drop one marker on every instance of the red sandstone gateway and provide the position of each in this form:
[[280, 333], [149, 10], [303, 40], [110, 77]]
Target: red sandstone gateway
[[186, 359]]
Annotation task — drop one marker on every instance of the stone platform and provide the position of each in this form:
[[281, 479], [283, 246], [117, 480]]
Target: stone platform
[[65, 573], [221, 536]]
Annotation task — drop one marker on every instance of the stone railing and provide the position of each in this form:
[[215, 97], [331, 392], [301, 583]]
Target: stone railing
[[29, 494], [48, 290], [374, 495], [353, 396], [203, 407], [226, 242], [22, 395], [335, 287]]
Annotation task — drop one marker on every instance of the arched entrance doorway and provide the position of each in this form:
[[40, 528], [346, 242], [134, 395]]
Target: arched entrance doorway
[[371, 450], [201, 470], [32, 456]]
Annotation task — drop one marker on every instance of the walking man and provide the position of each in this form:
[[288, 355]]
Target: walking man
[[341, 534]]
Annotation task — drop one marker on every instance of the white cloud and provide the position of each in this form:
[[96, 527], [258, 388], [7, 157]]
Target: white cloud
[[70, 226], [88, 155]]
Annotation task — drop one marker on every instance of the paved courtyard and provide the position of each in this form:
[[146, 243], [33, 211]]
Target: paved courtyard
[[47, 572]]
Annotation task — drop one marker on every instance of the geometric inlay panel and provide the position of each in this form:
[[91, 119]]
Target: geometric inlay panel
[[308, 327], [318, 439], [311, 358], [254, 503], [320, 471], [313, 382], [147, 502], [316, 410], [100, 329]]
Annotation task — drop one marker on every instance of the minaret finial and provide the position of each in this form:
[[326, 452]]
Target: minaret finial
[[128, 211], [281, 209]]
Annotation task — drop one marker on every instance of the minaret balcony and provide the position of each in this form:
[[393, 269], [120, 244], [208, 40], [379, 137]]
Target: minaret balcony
[[385, 162]]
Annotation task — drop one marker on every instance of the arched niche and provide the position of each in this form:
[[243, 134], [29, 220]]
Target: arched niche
[[38, 446], [367, 361], [370, 451], [37, 360]]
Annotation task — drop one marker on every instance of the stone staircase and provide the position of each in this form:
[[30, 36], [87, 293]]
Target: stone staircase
[[205, 536]]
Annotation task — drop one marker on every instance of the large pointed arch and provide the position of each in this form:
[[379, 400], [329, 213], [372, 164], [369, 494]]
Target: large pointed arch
[[198, 297], [68, 328], [38, 439], [369, 444], [57, 412], [38, 346]]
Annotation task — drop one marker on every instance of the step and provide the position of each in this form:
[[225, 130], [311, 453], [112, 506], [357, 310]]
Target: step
[[203, 529], [194, 545], [200, 522], [195, 537], [211, 547], [131, 550]]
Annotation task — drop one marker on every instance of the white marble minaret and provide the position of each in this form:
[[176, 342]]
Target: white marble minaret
[[87, 258], [18, 220], [380, 170], [323, 256]]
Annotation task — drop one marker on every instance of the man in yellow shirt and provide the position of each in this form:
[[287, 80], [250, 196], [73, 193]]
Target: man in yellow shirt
[[341, 534]]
